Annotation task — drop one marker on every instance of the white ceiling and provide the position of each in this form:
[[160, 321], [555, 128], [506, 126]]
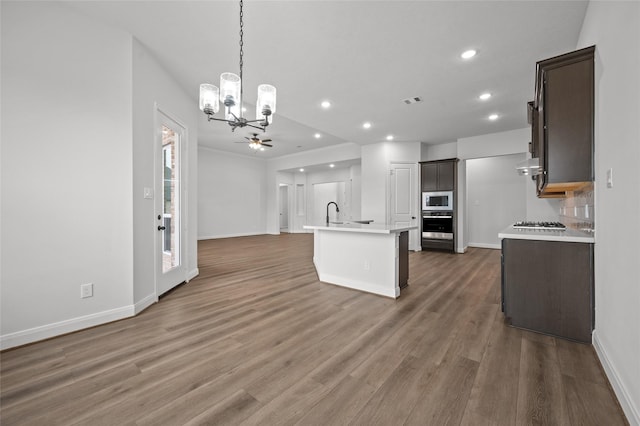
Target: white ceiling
[[363, 56]]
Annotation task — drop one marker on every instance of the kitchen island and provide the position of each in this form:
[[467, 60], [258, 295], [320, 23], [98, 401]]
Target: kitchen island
[[366, 257]]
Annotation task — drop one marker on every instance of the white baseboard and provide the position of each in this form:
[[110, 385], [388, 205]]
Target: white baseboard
[[485, 245], [631, 410], [145, 303], [31, 335], [243, 234], [192, 274]]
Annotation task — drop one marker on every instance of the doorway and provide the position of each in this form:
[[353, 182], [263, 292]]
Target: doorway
[[169, 203], [284, 207]]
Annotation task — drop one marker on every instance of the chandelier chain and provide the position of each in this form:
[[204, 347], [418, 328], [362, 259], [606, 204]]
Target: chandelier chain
[[241, 54]]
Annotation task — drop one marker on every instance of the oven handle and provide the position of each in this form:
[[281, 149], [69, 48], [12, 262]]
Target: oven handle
[[437, 217]]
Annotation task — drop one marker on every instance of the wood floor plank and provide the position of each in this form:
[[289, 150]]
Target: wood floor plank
[[258, 340], [444, 398], [341, 405], [540, 398], [590, 403], [494, 396], [399, 394]]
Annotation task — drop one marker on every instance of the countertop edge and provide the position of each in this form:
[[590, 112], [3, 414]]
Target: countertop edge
[[568, 236], [361, 228]]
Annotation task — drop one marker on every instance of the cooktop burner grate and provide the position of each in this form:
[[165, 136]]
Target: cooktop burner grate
[[552, 226]]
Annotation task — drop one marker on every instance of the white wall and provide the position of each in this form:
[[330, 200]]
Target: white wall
[[441, 151], [496, 198], [334, 153], [614, 27], [66, 172], [231, 194], [487, 146], [355, 172], [317, 199], [152, 86], [376, 159]]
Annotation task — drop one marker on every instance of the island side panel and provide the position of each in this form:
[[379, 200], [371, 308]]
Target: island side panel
[[362, 261], [403, 259]]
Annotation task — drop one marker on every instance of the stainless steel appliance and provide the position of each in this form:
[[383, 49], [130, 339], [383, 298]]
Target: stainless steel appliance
[[437, 201], [551, 226], [437, 225]]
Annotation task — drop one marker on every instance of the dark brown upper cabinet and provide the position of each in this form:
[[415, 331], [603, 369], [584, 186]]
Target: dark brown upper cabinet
[[561, 118], [438, 175]]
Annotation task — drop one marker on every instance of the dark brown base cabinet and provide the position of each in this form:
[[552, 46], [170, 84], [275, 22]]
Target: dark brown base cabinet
[[547, 287]]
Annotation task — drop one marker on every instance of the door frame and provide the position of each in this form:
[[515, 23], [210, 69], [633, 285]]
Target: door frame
[[181, 272]]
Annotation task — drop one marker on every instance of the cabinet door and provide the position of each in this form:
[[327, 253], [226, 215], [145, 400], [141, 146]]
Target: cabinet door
[[429, 177], [569, 118], [446, 176], [548, 287]]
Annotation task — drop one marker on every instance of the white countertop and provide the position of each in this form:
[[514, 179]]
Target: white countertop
[[569, 235], [359, 227]]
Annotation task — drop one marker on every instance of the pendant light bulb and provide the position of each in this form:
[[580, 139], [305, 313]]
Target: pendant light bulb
[[266, 104], [209, 98], [230, 94]]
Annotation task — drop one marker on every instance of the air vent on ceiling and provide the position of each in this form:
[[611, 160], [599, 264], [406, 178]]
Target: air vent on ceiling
[[410, 101]]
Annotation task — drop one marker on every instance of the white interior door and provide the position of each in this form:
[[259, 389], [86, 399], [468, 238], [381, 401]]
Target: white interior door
[[169, 203], [403, 198]]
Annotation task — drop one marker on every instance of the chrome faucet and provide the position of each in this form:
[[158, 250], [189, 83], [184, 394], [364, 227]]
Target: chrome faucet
[[337, 209]]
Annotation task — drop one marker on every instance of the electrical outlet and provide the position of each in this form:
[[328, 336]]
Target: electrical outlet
[[86, 290], [367, 265]]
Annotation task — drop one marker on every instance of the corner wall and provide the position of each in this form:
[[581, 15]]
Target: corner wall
[[614, 27]]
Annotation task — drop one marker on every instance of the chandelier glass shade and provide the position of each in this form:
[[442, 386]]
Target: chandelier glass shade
[[230, 95]]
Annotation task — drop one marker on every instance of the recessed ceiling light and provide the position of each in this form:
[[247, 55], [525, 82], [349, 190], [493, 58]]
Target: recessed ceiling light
[[325, 104], [484, 96], [389, 137], [332, 165], [317, 136], [493, 117], [302, 170], [468, 54], [366, 125]]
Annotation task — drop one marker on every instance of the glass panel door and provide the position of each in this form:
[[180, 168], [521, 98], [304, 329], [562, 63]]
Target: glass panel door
[[171, 199]]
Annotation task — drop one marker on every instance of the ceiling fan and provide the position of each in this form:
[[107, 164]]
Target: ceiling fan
[[256, 143]]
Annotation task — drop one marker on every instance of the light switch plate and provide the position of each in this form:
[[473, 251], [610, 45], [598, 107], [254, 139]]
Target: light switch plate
[[610, 178], [148, 193]]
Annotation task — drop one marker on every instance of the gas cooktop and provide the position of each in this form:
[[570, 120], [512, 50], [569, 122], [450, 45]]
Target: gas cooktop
[[551, 226]]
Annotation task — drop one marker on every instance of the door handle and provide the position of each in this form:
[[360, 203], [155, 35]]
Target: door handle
[[161, 228], [413, 217]]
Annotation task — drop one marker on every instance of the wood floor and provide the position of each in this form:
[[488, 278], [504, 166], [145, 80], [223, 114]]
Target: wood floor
[[257, 340]]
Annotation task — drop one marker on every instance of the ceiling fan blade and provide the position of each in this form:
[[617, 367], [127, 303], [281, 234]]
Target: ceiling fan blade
[[248, 138], [266, 140], [266, 144], [240, 142]]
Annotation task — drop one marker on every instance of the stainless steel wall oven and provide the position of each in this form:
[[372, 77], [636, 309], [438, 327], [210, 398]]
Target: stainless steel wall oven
[[437, 225]]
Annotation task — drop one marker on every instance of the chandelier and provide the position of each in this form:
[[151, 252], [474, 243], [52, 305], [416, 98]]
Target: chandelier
[[230, 94]]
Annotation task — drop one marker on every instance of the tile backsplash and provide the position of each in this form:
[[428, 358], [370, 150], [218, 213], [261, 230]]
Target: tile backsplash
[[577, 210]]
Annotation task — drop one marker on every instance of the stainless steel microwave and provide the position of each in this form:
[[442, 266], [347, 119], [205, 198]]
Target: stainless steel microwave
[[441, 200]]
